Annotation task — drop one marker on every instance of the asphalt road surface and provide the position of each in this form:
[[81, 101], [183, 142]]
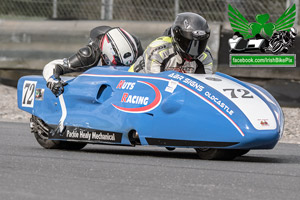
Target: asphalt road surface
[[27, 171]]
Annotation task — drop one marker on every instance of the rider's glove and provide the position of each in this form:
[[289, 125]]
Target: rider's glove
[[56, 86]]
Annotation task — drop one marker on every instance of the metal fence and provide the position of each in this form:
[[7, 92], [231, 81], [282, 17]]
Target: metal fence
[[138, 10]]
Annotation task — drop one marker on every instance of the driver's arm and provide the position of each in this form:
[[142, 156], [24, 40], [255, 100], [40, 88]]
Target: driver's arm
[[207, 61], [85, 58]]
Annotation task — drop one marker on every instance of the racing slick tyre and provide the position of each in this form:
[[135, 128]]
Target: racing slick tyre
[[41, 131], [219, 154]]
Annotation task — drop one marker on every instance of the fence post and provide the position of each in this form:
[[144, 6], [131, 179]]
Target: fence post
[[176, 7], [102, 10], [296, 2], [54, 9], [107, 9], [110, 9]]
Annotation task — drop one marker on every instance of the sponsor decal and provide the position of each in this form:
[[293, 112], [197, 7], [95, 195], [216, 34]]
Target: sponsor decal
[[39, 94], [84, 134], [197, 86], [171, 86], [263, 122], [133, 99], [219, 102], [176, 76], [139, 100], [193, 84], [187, 81], [28, 93], [125, 85]]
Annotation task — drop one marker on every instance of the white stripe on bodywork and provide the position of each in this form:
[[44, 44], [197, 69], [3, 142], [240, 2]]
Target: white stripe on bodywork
[[255, 109], [64, 113], [265, 96], [181, 85], [268, 99]]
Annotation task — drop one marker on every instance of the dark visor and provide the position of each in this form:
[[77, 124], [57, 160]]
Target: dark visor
[[193, 47]]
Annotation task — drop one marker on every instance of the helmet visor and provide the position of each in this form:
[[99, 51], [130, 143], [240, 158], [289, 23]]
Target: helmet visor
[[192, 43], [193, 47]]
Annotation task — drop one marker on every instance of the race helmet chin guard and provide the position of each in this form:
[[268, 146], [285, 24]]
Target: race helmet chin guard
[[190, 33], [118, 47]]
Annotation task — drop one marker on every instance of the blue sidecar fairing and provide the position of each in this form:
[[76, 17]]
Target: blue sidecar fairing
[[169, 109]]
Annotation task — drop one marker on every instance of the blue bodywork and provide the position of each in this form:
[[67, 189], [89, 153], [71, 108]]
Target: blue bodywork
[[168, 109]]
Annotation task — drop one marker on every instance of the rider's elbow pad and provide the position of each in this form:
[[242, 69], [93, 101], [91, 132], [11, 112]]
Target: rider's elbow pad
[[85, 57]]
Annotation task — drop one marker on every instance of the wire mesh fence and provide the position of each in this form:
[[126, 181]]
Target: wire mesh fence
[[138, 10]]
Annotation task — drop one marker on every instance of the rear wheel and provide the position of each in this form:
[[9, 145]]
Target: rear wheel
[[219, 154], [41, 132]]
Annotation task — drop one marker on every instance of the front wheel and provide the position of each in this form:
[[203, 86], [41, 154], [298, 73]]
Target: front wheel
[[219, 154], [41, 132]]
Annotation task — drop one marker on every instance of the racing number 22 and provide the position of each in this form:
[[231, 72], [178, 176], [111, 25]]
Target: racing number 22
[[28, 93]]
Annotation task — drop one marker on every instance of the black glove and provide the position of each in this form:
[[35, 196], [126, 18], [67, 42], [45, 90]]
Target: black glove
[[56, 86]]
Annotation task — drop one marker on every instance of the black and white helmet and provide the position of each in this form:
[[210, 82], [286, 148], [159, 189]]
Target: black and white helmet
[[293, 33], [190, 33], [118, 47]]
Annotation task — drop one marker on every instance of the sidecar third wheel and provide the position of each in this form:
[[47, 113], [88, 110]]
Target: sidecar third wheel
[[216, 154]]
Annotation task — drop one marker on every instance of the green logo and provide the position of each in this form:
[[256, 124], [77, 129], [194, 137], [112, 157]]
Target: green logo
[[249, 30]]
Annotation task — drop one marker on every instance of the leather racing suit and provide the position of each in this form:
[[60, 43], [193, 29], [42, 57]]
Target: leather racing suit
[[87, 57], [161, 56]]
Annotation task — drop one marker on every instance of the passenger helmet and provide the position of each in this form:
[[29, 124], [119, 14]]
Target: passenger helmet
[[190, 33], [118, 47], [293, 33]]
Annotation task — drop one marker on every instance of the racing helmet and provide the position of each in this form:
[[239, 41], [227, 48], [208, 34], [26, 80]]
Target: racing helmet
[[118, 47], [293, 33], [190, 33]]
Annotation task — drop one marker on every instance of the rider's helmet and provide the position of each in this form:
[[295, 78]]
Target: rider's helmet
[[293, 33], [118, 47], [190, 33]]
